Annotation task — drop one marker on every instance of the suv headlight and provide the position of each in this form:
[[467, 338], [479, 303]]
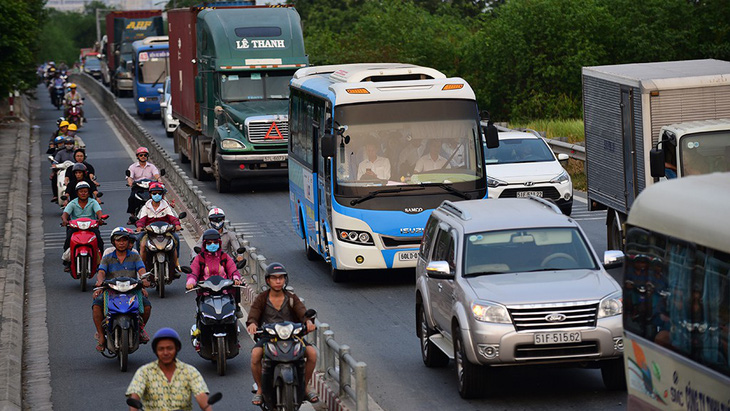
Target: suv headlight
[[493, 182], [561, 178], [490, 313], [611, 305], [230, 144]]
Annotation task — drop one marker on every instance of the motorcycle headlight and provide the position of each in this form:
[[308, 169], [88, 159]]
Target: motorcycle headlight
[[84, 225], [121, 286], [490, 313], [284, 331], [611, 305], [230, 144], [493, 182], [561, 178]]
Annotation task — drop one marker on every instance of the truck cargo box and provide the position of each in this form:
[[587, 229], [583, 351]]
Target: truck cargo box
[[181, 23]]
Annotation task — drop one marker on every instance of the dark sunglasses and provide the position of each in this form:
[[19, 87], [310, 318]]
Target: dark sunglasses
[[142, 155]]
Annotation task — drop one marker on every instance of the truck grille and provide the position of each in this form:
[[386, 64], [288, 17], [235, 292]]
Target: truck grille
[[547, 192], [534, 318], [569, 350], [262, 132]]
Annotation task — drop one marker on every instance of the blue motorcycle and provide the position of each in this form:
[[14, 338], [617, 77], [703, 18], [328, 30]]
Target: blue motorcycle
[[122, 305]]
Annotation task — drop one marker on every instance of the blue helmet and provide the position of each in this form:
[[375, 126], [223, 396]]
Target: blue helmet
[[163, 333]]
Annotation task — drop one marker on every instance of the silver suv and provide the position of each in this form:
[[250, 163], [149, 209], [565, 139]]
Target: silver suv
[[514, 282]]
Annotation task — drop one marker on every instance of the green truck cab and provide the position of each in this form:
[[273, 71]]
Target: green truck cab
[[230, 70]]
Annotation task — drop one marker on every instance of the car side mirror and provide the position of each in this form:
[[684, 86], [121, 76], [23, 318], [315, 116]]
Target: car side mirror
[[656, 162], [613, 259], [439, 270], [328, 145], [562, 157]]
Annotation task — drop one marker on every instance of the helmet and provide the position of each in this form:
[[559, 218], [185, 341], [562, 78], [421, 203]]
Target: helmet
[[59, 139], [275, 269], [120, 232], [82, 184], [216, 217], [72, 127], [63, 123], [72, 85], [155, 186], [163, 333], [60, 120], [211, 235], [142, 150], [78, 167]]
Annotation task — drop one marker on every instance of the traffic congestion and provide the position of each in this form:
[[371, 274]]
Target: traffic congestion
[[450, 255]]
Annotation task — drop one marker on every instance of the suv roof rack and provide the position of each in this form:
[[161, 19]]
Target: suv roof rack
[[452, 208], [546, 203]]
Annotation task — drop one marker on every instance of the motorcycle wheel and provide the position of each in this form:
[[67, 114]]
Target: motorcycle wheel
[[82, 265], [160, 275], [221, 360], [123, 349], [285, 396]]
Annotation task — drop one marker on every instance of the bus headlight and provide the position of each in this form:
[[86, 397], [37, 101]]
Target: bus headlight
[[355, 237], [611, 305]]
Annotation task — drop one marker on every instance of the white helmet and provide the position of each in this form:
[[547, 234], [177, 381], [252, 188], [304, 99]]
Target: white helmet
[[216, 218]]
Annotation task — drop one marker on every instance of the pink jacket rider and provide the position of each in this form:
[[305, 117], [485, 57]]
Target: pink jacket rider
[[212, 265]]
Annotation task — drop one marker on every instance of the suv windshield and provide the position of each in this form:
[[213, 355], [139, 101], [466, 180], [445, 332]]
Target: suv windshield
[[525, 250], [252, 85], [519, 150]]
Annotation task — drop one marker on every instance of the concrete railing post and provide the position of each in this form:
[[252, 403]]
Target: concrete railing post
[[361, 381], [345, 379]]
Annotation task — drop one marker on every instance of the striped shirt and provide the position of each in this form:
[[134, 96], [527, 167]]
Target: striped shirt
[[157, 393], [128, 268]]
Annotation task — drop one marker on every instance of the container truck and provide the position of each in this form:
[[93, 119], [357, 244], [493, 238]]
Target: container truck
[[646, 122], [230, 67], [122, 29]]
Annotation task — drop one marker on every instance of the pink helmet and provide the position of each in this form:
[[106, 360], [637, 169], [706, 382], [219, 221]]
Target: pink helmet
[[142, 150]]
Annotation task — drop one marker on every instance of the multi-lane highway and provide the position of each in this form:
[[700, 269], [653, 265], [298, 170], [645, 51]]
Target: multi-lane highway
[[373, 313]]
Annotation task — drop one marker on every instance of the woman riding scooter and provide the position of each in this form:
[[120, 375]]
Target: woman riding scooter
[[158, 209]]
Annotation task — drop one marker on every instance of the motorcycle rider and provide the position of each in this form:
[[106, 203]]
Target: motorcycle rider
[[168, 383], [80, 157], [71, 132], [158, 209], [213, 261], [61, 156], [62, 129], [140, 170], [80, 207], [80, 174], [229, 242], [73, 95], [276, 305], [122, 262]]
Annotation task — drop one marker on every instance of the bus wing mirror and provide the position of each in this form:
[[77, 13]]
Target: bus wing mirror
[[656, 162], [491, 135], [328, 145]]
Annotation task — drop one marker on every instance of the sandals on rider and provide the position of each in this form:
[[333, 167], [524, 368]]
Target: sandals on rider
[[257, 399]]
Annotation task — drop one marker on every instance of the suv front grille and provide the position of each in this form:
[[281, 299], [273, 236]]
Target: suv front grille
[[400, 242], [547, 192], [571, 350], [257, 131], [534, 318]]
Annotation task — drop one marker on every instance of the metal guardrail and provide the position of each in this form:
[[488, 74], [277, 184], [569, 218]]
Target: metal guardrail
[[334, 359], [575, 151]]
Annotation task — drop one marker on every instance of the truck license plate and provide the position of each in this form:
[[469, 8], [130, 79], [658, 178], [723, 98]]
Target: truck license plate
[[529, 193], [407, 255], [281, 157], [558, 337]]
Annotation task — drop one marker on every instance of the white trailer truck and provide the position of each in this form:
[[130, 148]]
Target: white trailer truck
[[648, 121]]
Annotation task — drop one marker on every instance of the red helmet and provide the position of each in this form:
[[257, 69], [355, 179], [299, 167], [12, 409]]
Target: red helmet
[[142, 150], [156, 186]]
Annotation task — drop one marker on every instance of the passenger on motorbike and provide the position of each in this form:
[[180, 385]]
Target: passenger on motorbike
[[73, 95], [61, 131], [80, 157], [122, 262], [80, 207], [277, 305], [213, 261], [72, 132], [168, 383], [158, 209], [229, 242], [140, 170], [80, 174], [61, 156]]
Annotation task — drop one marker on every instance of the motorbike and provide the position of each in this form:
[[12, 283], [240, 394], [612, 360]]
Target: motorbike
[[214, 335], [122, 318], [282, 380], [141, 188], [160, 246], [133, 402], [61, 178], [74, 113], [85, 256], [57, 94]]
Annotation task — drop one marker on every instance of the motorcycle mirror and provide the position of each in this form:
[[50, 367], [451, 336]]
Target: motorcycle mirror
[[162, 172], [182, 215], [99, 194], [104, 216], [127, 173], [133, 219], [51, 159], [133, 402], [214, 398], [197, 249], [310, 313], [240, 264], [186, 269], [241, 250]]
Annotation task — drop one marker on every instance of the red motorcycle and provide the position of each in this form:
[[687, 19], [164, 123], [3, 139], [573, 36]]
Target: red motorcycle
[[85, 253], [74, 113]]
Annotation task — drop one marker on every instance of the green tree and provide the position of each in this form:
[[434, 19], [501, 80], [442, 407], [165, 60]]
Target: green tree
[[19, 25]]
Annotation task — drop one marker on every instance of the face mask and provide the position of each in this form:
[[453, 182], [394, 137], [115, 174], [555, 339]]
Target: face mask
[[211, 248], [156, 197], [69, 148]]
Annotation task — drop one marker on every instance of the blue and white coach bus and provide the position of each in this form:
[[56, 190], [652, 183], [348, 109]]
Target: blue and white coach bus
[[374, 148], [151, 61]]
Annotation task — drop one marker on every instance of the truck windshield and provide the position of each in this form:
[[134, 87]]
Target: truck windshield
[[704, 153], [253, 85], [421, 142], [92, 63], [153, 69]]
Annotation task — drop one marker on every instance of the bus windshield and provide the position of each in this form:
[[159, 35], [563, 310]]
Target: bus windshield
[[407, 143], [704, 153], [153, 66], [263, 85]]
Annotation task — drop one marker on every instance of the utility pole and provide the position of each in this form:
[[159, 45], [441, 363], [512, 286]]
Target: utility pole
[[98, 25]]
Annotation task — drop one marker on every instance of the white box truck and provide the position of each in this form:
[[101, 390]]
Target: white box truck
[[648, 121]]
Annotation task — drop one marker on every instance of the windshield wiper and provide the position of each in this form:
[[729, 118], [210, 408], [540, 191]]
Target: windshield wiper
[[450, 189], [481, 273], [376, 193], [158, 78]]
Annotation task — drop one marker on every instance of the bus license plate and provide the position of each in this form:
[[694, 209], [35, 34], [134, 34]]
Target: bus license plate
[[281, 157], [529, 193], [407, 255], [558, 337]]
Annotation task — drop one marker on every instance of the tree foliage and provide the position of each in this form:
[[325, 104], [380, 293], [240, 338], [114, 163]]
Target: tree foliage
[[20, 22]]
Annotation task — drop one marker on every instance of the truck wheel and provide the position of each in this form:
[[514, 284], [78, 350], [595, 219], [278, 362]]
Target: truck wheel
[[198, 171], [221, 184], [472, 378], [614, 376], [614, 234], [431, 355], [183, 158]]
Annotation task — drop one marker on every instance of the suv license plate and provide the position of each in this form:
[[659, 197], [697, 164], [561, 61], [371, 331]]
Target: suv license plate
[[407, 255], [529, 193], [558, 337], [281, 157]]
